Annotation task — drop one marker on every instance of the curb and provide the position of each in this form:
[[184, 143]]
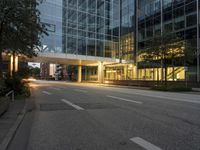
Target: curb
[[196, 89], [12, 131], [128, 87]]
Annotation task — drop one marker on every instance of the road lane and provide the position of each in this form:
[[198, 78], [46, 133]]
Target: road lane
[[78, 90], [170, 125], [46, 92], [154, 108], [177, 116], [124, 99]]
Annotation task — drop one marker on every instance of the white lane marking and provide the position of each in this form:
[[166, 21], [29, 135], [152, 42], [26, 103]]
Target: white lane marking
[[55, 88], [71, 104], [45, 92], [78, 90], [123, 99], [145, 144]]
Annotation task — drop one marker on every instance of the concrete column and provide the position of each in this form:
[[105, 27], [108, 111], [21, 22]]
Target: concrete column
[[100, 72], [79, 73], [125, 72], [16, 63], [11, 65]]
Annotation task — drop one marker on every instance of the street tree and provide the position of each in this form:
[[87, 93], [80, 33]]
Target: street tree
[[164, 48], [20, 28]]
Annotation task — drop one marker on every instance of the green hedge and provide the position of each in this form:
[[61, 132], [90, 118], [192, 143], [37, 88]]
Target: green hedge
[[171, 88], [14, 83]]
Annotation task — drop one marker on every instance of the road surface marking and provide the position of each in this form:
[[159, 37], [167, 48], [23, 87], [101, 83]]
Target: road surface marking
[[123, 99], [55, 88], [45, 92], [145, 144], [71, 104], [78, 90]]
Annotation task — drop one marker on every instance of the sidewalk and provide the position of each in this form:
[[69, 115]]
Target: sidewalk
[[8, 119], [196, 89]]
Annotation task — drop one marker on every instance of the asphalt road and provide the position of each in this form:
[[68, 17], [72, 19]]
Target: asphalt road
[[71, 116]]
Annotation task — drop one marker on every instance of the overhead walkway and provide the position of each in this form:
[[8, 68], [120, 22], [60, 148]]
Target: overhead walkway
[[79, 60]]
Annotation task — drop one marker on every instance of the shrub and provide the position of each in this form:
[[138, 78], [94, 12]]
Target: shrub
[[3, 89], [172, 88], [16, 83]]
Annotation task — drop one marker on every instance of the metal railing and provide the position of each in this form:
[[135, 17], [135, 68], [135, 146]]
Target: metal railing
[[12, 93]]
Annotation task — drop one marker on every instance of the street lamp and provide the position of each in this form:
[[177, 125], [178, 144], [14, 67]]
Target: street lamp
[[198, 65]]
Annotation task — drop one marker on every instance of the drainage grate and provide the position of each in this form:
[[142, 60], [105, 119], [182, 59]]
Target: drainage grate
[[55, 107], [96, 105]]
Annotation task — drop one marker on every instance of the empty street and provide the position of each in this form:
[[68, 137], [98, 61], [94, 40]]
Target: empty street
[[72, 116]]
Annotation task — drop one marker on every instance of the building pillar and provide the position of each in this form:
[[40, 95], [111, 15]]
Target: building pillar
[[13, 64], [16, 63], [79, 73], [125, 72], [100, 72]]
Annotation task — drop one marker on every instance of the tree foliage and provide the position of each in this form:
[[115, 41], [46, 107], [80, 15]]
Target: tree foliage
[[20, 27], [167, 47], [163, 47]]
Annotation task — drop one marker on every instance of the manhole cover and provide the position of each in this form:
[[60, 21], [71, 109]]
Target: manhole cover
[[55, 107], [96, 105]]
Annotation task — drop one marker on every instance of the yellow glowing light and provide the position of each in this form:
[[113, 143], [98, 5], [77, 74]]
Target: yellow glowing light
[[16, 63], [131, 66], [30, 79], [106, 82], [11, 64]]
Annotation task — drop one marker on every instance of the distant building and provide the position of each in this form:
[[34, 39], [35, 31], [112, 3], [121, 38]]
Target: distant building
[[44, 70]]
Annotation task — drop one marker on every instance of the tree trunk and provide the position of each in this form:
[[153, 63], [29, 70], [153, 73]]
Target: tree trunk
[[165, 71], [153, 74], [173, 72], [157, 74], [1, 52], [1, 65], [161, 70], [165, 74]]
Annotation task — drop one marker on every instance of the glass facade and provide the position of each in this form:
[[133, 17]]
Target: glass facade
[[51, 16], [127, 31], [122, 29], [127, 44], [82, 27], [157, 17]]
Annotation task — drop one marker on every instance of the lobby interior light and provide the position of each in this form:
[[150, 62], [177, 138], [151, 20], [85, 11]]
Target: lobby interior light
[[16, 65]]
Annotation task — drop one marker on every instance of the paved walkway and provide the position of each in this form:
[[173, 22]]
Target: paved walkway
[[8, 119]]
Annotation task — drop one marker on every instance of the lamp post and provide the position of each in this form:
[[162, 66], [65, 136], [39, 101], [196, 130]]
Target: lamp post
[[198, 65], [198, 46]]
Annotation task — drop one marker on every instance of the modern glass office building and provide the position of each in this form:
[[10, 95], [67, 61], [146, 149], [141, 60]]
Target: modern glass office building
[[179, 17], [82, 27], [119, 30]]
